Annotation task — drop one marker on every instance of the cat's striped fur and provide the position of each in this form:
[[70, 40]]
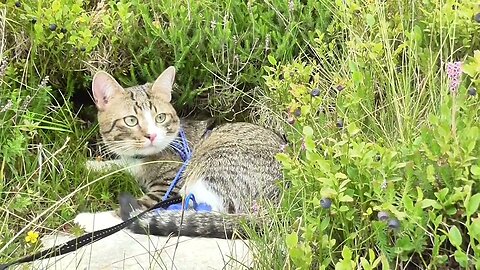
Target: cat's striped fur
[[232, 168]]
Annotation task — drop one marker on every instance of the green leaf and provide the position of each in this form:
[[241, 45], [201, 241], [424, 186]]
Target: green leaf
[[472, 68], [272, 60], [357, 77], [401, 165], [307, 131], [419, 194], [370, 20], [430, 174], [371, 255], [365, 264], [323, 165], [346, 253], [472, 204], [344, 265], [352, 129], [417, 33], [291, 240], [268, 69], [442, 194], [345, 198], [284, 159], [399, 214], [455, 236], [475, 169], [311, 156], [408, 203], [405, 244], [324, 224], [461, 258], [430, 203], [474, 229], [310, 145], [56, 5]]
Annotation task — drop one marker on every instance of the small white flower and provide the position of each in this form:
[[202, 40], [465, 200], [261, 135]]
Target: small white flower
[[384, 185]]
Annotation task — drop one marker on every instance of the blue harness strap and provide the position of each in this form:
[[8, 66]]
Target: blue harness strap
[[180, 145]]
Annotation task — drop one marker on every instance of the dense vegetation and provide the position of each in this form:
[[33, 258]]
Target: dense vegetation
[[378, 100]]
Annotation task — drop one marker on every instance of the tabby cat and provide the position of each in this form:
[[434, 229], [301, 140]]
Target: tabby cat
[[232, 167]]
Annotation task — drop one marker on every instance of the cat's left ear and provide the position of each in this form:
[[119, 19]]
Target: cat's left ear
[[162, 87], [104, 87]]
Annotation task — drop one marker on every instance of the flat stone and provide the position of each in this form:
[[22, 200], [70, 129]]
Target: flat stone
[[126, 250]]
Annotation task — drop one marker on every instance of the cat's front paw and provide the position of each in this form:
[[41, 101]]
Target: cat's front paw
[[96, 221], [94, 165]]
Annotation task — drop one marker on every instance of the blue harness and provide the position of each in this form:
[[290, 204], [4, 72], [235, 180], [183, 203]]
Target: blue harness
[[180, 145]]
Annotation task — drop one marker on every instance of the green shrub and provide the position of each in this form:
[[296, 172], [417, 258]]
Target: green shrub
[[218, 47], [429, 185], [379, 128]]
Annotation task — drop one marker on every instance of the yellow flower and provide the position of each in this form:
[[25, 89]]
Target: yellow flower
[[32, 237]]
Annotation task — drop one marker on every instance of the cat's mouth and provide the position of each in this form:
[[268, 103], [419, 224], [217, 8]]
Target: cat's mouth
[[147, 144], [145, 147], [152, 147]]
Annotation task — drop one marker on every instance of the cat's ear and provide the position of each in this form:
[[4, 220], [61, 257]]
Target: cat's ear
[[162, 87], [104, 88]]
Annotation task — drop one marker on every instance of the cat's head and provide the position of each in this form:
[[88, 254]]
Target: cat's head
[[137, 120]]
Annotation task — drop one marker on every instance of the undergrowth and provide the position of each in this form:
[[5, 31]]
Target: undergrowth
[[377, 98], [383, 160]]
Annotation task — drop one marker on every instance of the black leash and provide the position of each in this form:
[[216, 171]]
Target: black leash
[[88, 238]]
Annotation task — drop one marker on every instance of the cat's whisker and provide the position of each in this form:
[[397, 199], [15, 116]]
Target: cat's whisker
[[123, 147], [131, 142], [124, 141], [102, 145], [105, 154], [97, 143], [120, 148]]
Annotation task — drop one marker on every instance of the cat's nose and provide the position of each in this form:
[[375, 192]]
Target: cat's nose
[[151, 136]]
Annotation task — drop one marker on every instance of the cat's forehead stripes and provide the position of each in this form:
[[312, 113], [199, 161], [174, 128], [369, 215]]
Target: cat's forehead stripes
[[140, 98]]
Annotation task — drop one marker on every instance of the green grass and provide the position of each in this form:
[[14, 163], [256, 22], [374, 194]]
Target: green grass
[[407, 145], [48, 184]]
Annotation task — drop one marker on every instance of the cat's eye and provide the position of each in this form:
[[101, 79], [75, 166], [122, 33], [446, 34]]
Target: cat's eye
[[160, 118], [130, 120]]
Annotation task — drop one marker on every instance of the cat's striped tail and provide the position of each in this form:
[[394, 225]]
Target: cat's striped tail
[[184, 223]]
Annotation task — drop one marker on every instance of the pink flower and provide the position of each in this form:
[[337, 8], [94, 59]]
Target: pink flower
[[454, 73], [255, 207]]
